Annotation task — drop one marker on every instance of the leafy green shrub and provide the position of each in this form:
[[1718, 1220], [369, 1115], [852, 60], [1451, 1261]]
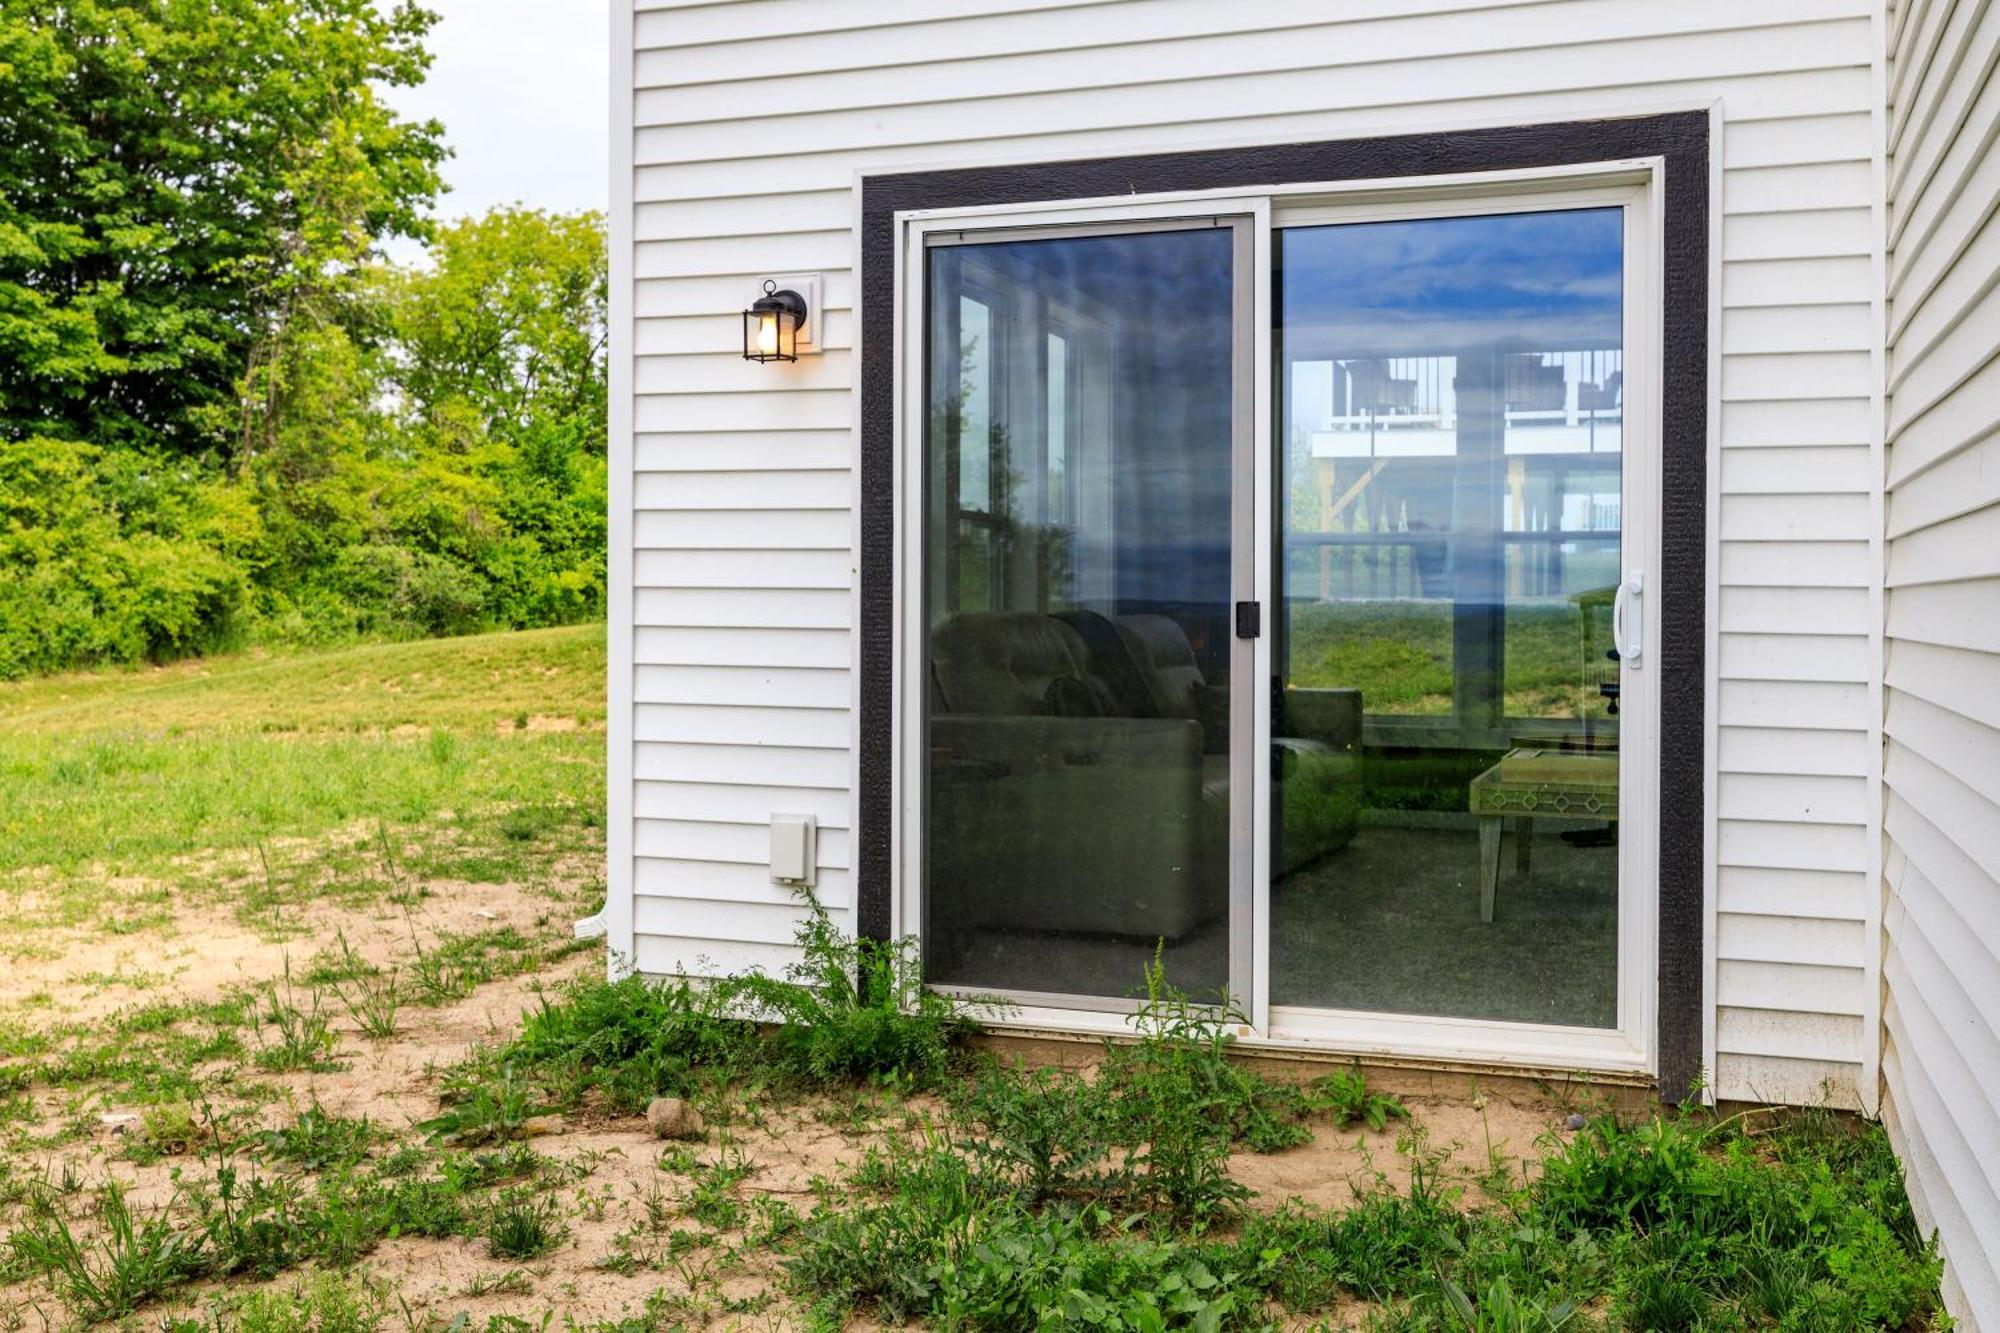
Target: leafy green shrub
[[849, 1010], [1177, 1101], [423, 455], [854, 1009], [1386, 1245], [1345, 1096], [322, 1303], [84, 579], [319, 1139], [1081, 1271], [1041, 1132], [632, 1039], [484, 1109]]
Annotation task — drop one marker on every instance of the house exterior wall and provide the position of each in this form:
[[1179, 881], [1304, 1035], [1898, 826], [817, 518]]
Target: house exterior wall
[[746, 125], [1941, 971]]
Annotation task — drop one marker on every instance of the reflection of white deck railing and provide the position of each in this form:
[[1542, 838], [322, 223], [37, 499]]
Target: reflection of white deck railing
[[1435, 434]]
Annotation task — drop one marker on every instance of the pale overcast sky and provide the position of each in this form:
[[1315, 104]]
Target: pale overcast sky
[[520, 87]]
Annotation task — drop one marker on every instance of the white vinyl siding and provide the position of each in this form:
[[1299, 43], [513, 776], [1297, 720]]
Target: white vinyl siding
[[1941, 766], [751, 121]]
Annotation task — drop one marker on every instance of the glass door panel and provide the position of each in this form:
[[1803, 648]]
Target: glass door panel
[[1446, 722], [1083, 746]]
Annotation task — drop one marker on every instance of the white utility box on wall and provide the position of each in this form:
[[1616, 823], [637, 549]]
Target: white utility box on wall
[[793, 839]]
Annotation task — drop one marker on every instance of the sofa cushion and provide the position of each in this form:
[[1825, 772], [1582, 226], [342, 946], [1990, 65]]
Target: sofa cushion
[[1166, 663], [1002, 663]]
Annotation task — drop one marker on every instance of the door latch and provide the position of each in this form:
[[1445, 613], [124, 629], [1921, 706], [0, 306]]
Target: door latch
[[1249, 619]]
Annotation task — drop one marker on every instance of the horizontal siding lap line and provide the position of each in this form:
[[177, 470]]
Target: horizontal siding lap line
[[1957, 614], [1843, 563], [1797, 987], [703, 926], [1782, 1080], [1843, 34], [998, 37], [1911, 457], [1768, 939], [769, 698], [1917, 782], [1780, 328], [1788, 1033], [1977, 1182], [1954, 744], [1911, 356], [1953, 679], [1820, 895], [673, 879], [1907, 407], [1916, 46], [1926, 845], [670, 955], [1936, 135], [1754, 284], [1906, 197], [710, 842], [1910, 283], [1843, 233], [1800, 93], [803, 138], [1948, 548], [1924, 971], [1925, 488], [840, 903], [1960, 289], [1746, 749], [1039, 10]]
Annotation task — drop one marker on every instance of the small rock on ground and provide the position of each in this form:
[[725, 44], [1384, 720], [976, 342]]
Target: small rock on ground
[[673, 1118]]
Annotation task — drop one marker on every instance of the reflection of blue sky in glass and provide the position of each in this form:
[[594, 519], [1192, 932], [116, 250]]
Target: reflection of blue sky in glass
[[1382, 325], [1433, 286]]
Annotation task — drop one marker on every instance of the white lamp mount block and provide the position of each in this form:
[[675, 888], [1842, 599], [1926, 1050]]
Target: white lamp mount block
[[812, 286]]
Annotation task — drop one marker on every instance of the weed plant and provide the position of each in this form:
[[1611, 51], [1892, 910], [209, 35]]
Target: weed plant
[[848, 1012], [524, 1224], [134, 1259]]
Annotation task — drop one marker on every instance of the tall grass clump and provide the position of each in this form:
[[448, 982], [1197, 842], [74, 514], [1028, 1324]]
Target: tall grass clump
[[130, 1261], [848, 1011]]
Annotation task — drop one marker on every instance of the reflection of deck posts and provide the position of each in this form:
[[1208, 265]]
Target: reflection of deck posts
[[1478, 595], [1517, 520], [1327, 520]]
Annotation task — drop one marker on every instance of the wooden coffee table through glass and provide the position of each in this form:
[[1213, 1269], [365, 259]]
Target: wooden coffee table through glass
[[1532, 784]]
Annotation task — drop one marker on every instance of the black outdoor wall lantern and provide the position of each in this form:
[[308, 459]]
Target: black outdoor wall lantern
[[771, 325]]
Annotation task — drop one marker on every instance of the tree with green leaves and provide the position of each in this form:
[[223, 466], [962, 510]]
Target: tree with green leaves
[[184, 186]]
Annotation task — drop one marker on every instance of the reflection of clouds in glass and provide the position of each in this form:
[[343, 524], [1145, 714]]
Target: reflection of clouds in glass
[[1518, 277]]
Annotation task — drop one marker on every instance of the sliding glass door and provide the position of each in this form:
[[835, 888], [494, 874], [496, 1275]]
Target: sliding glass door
[[1085, 761], [1451, 426], [1281, 616]]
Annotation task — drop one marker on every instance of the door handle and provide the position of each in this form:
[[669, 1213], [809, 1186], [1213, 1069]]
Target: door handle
[[1629, 600], [1249, 619]]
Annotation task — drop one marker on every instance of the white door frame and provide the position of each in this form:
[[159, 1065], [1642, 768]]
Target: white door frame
[[1637, 186]]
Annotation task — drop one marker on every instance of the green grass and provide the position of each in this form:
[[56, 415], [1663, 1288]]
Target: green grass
[[252, 764], [1399, 655], [1004, 1198], [457, 684], [1050, 1199]]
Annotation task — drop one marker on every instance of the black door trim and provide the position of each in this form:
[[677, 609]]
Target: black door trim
[[1680, 138]]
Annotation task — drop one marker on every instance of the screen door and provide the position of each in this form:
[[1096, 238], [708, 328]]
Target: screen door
[[1085, 542]]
